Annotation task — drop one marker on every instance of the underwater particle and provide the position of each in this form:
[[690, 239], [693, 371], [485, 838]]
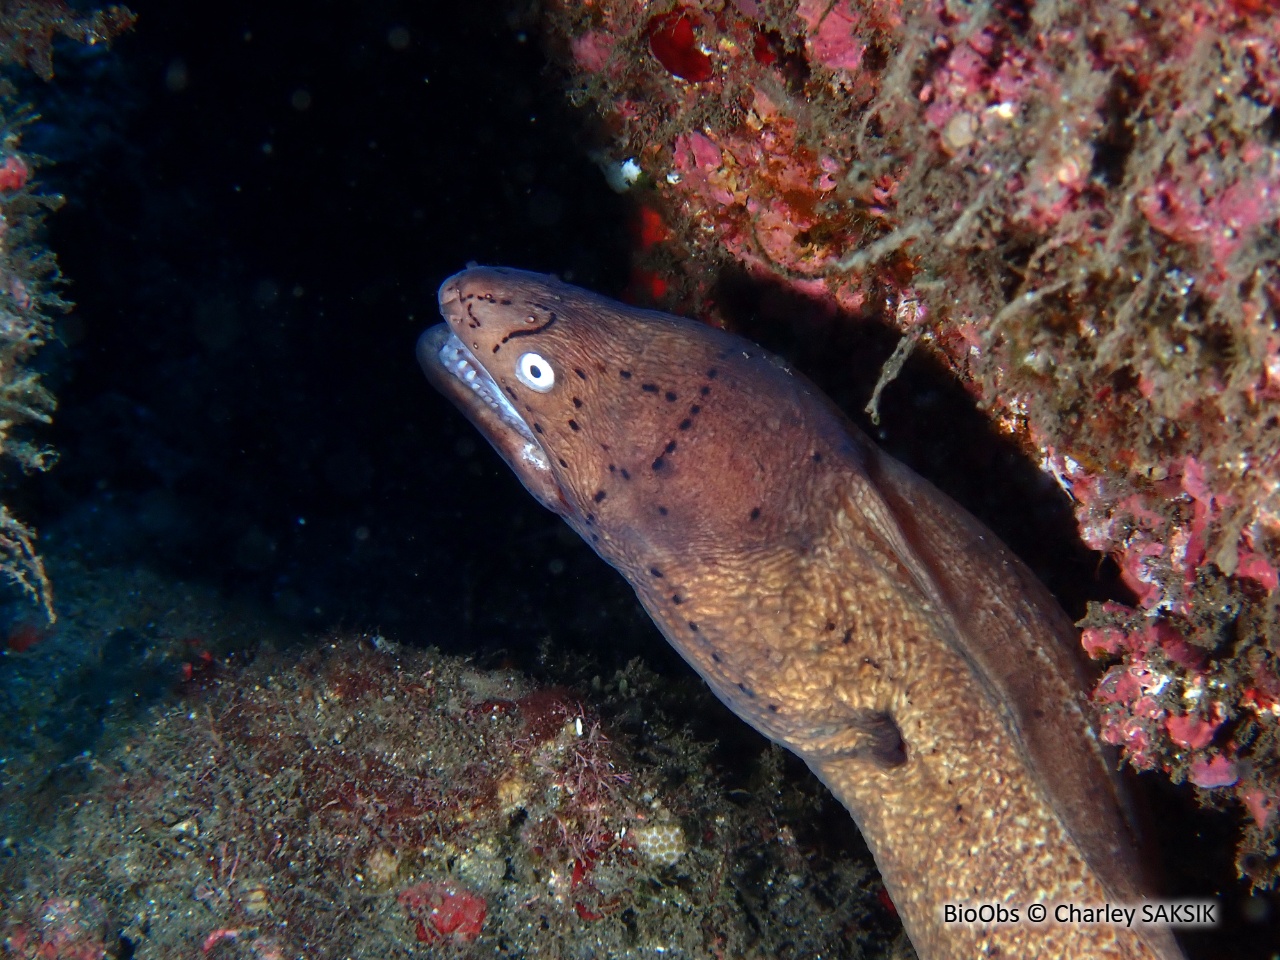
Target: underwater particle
[[960, 132], [620, 175], [512, 793], [382, 866], [675, 44], [663, 843], [254, 899]]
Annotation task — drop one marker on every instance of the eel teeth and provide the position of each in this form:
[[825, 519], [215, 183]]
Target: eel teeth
[[462, 363]]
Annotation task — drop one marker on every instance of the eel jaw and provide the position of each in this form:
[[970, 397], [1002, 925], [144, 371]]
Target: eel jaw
[[455, 372], [453, 355]]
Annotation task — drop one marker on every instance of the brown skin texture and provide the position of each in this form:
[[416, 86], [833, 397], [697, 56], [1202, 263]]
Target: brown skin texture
[[832, 599]]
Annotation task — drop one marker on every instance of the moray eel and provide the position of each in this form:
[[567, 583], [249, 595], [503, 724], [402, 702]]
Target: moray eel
[[834, 600]]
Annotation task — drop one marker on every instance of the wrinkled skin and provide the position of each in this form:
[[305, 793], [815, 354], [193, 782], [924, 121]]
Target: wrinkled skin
[[835, 601]]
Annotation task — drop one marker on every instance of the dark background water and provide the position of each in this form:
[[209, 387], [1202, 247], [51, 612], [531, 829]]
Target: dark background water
[[262, 201]]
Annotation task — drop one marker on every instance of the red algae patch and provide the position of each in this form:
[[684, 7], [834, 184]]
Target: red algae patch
[[673, 39]]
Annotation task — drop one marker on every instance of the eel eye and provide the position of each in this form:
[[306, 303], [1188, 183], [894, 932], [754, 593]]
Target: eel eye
[[535, 373]]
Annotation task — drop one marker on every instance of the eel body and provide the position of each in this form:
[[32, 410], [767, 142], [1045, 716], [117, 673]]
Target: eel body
[[834, 600]]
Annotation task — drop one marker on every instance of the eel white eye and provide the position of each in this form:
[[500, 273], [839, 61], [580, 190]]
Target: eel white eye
[[535, 373]]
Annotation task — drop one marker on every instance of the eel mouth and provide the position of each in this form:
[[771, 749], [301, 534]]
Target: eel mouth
[[455, 372], [454, 357]]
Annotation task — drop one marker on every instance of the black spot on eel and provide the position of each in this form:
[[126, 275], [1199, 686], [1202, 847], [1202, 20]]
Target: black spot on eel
[[834, 600]]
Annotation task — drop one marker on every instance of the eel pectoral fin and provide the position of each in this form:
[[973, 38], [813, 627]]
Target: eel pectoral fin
[[1024, 652], [868, 737]]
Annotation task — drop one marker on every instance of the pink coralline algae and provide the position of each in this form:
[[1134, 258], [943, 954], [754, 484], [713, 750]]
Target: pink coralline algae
[[1195, 733], [831, 34], [1075, 207], [1215, 772]]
